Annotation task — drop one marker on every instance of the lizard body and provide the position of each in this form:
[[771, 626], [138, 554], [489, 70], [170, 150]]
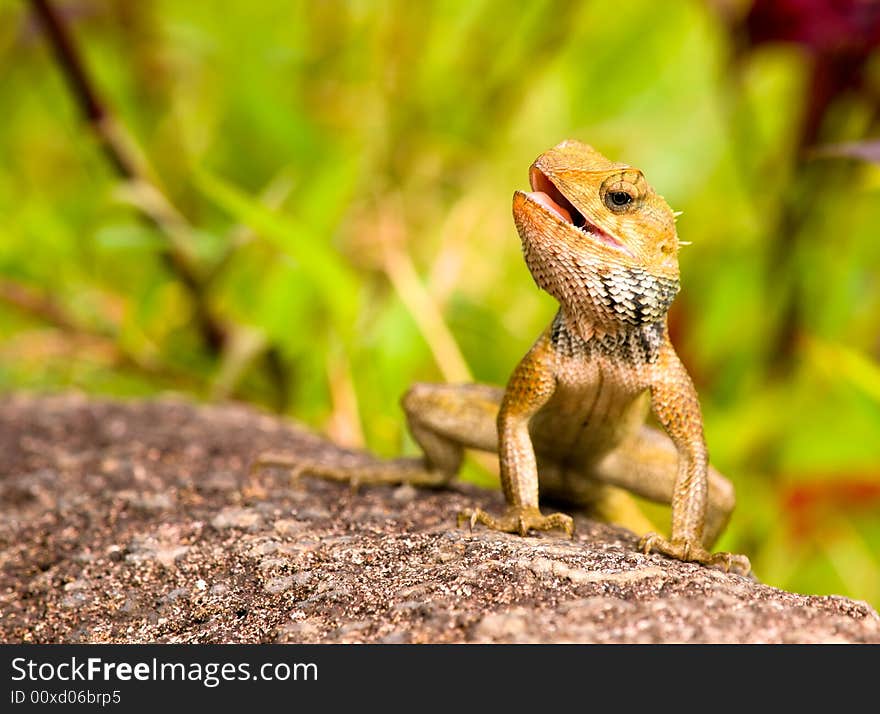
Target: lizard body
[[571, 420]]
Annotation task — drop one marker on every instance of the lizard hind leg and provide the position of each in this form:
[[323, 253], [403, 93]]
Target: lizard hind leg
[[446, 419], [443, 419], [354, 469]]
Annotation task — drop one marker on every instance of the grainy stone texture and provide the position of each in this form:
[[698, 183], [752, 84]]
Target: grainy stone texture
[[138, 522]]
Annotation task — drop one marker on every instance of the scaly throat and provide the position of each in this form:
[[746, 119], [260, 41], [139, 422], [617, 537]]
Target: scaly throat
[[633, 345], [597, 297]]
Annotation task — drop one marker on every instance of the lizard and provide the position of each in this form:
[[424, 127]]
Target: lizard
[[571, 420]]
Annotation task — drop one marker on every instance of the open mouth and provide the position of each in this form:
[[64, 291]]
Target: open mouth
[[545, 194]]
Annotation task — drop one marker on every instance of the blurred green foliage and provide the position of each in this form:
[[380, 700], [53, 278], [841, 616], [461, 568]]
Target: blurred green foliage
[[345, 170]]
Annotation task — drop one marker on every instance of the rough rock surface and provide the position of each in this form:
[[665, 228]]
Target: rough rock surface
[[138, 522]]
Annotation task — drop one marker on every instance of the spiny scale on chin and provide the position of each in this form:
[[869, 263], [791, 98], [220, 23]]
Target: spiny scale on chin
[[600, 297]]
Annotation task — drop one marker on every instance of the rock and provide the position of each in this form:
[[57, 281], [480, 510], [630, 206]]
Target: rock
[[279, 585], [244, 518], [174, 522]]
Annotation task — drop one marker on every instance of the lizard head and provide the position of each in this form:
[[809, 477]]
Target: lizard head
[[598, 238]]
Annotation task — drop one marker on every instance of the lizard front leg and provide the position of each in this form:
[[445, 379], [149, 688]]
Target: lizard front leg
[[531, 385], [646, 464], [675, 404]]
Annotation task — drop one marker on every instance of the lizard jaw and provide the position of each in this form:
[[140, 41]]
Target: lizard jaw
[[551, 200]]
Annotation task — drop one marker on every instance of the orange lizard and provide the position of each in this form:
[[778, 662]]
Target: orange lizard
[[600, 240]]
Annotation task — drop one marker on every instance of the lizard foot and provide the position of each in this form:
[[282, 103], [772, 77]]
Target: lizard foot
[[518, 519], [692, 551]]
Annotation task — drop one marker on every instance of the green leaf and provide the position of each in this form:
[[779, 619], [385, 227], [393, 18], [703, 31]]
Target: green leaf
[[129, 236], [313, 255], [841, 362]]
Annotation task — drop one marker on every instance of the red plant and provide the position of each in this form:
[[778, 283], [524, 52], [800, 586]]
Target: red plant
[[805, 503], [839, 35]]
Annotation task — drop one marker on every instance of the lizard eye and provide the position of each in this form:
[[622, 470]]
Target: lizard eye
[[617, 199], [623, 192]]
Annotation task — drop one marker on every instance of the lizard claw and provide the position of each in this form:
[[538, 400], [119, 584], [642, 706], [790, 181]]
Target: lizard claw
[[468, 516], [518, 519], [691, 551]]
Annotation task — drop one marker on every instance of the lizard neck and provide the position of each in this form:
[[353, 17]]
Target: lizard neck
[[574, 337], [612, 299], [584, 325]]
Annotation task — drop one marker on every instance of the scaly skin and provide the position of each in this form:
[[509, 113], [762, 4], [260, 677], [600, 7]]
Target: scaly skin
[[601, 241]]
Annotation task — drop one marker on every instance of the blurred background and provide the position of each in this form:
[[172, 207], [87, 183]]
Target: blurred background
[[306, 206]]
